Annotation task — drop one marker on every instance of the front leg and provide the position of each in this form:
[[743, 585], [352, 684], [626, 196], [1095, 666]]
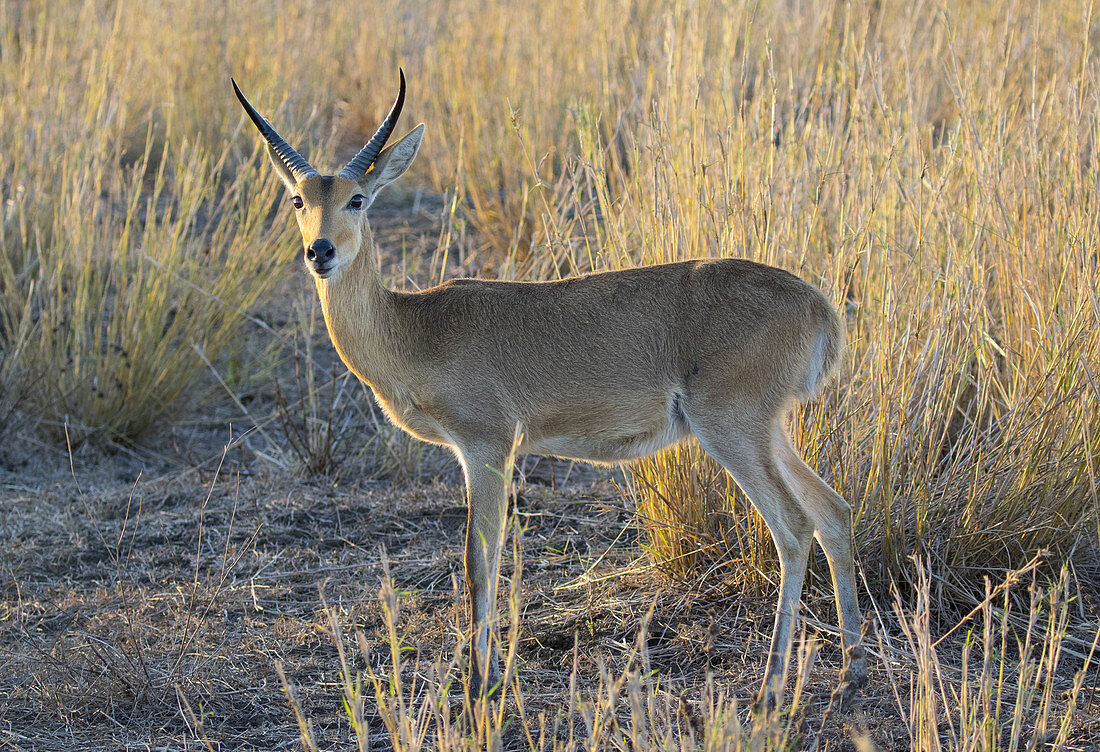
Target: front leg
[[488, 474]]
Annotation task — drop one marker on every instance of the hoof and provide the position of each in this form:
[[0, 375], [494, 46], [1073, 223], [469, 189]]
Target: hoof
[[852, 678], [766, 701], [485, 687]]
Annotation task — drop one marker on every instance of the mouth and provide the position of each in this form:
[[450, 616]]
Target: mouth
[[322, 271]]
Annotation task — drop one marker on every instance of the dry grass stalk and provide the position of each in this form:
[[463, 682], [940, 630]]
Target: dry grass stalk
[[1013, 695]]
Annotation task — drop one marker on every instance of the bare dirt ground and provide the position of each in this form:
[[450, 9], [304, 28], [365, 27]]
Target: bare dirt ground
[[120, 602], [143, 587]]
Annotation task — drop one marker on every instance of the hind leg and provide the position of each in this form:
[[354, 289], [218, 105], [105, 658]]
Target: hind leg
[[832, 520], [750, 459]]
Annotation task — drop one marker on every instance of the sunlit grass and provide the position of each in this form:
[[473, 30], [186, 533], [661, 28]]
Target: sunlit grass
[[933, 175], [1012, 690], [132, 245]]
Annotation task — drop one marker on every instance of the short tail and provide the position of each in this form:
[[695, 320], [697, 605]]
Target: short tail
[[827, 348]]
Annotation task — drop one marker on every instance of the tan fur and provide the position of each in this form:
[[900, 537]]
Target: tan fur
[[604, 367]]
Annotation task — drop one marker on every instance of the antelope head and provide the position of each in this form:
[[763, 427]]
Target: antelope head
[[331, 209]]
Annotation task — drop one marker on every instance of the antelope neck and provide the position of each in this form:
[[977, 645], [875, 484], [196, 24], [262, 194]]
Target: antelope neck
[[359, 313]]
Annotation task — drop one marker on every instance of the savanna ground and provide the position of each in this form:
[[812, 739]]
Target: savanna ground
[[199, 508]]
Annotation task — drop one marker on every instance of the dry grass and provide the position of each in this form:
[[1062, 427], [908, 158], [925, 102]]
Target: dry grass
[[132, 244], [924, 169], [932, 168], [1013, 696]]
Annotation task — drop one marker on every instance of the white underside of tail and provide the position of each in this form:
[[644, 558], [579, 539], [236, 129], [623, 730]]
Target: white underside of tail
[[816, 369]]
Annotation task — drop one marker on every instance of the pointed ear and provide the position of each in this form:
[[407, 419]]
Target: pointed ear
[[392, 163], [280, 167]]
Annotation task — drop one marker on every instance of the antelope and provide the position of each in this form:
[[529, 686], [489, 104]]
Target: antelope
[[604, 367]]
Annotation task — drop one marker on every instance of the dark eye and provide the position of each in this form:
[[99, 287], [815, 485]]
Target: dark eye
[[297, 202], [356, 202]]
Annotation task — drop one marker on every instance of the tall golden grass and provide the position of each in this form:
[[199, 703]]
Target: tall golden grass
[[135, 236], [932, 168], [934, 173]]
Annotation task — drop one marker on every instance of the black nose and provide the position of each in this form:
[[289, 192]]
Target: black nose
[[320, 251]]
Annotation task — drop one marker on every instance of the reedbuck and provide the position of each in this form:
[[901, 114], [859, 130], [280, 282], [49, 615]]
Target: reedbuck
[[604, 367]]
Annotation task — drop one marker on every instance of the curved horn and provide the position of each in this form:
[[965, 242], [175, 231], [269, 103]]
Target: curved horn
[[358, 166], [294, 161]]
